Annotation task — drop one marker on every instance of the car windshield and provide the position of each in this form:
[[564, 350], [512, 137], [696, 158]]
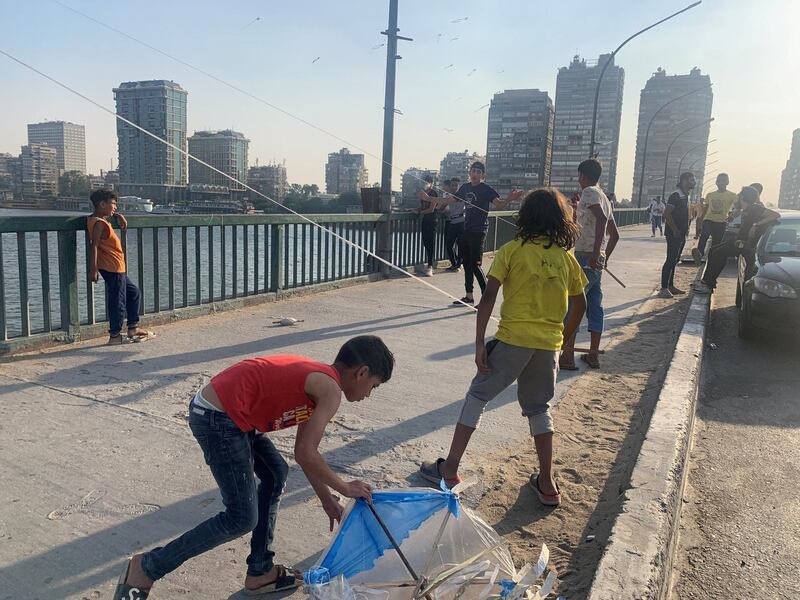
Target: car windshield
[[783, 239]]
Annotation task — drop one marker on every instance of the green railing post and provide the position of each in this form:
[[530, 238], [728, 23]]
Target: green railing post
[[68, 283], [276, 239]]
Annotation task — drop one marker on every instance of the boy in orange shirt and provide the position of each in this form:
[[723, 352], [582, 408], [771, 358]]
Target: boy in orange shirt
[[106, 258]]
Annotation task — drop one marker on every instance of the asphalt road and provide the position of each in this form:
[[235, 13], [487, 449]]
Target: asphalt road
[[740, 524]]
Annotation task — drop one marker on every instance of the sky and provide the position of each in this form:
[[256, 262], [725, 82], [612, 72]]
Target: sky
[[321, 61]]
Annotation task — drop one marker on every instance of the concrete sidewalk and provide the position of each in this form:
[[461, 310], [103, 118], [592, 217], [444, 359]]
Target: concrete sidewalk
[[97, 461]]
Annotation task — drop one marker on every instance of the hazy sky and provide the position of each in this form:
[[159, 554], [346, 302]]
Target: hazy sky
[[748, 47]]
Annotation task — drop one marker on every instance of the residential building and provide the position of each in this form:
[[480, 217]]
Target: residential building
[[519, 143], [69, 140], [413, 181], [345, 172], [10, 173], [690, 115], [790, 178], [456, 164], [147, 167], [39, 170], [271, 180], [572, 134], [112, 180], [224, 150]]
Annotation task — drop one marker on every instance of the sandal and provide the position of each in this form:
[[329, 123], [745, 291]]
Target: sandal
[[141, 335], [287, 580], [431, 471], [127, 592], [591, 360], [465, 300], [117, 340], [546, 499]]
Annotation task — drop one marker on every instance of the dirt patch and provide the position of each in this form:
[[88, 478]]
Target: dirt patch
[[600, 424]]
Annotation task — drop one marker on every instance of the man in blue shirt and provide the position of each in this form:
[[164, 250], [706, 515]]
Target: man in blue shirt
[[478, 198]]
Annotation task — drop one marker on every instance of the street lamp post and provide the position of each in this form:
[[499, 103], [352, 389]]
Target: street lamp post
[[692, 149], [669, 148], [608, 62], [647, 135]]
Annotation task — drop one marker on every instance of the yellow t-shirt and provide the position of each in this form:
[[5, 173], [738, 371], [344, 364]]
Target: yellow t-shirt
[[718, 205], [536, 284]]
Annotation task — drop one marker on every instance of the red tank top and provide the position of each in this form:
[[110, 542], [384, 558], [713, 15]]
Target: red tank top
[[268, 392]]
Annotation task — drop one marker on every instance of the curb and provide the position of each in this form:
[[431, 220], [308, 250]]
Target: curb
[[637, 561]]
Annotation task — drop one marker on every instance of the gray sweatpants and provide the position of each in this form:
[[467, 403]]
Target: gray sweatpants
[[535, 372]]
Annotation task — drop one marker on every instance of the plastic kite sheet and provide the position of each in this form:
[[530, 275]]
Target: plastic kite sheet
[[454, 554]]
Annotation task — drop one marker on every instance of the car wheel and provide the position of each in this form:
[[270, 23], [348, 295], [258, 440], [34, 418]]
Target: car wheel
[[738, 296], [747, 330]]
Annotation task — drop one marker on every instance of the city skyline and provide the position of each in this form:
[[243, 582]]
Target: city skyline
[[751, 130]]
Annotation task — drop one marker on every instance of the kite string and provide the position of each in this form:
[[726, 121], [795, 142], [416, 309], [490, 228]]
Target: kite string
[[234, 179]]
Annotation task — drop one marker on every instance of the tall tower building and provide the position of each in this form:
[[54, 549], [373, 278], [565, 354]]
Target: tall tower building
[[224, 150], [68, 139], [456, 164], [519, 143], [666, 126], [270, 180], [413, 181], [147, 167], [39, 170], [572, 134], [345, 172], [790, 178]]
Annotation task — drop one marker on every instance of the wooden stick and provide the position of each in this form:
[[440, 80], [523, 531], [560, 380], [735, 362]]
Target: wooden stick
[[587, 350], [615, 278]]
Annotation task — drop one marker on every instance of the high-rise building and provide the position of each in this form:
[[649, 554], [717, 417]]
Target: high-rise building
[[456, 164], [223, 150], [572, 134], [790, 178], [147, 167], [345, 172], [39, 170], [520, 140], [68, 139], [270, 180], [414, 181], [10, 173], [690, 115]]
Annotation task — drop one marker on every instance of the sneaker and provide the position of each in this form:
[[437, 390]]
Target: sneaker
[[453, 269], [654, 235], [665, 293], [429, 272], [698, 258], [676, 291], [701, 287]]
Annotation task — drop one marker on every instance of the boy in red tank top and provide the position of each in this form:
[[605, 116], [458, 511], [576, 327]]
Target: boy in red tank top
[[229, 417]]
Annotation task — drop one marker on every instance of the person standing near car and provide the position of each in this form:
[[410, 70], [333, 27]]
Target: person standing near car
[[714, 217], [676, 216], [754, 217]]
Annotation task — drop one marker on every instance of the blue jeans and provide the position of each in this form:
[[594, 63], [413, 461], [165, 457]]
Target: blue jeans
[[235, 459], [594, 294], [122, 299]]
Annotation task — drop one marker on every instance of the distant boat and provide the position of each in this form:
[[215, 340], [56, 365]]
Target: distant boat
[[134, 204], [170, 209]]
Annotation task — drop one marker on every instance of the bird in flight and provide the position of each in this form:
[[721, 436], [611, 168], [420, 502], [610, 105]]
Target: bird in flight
[[471, 72], [449, 66], [378, 46], [482, 107], [315, 60], [250, 23], [438, 37], [454, 39], [448, 130], [501, 71], [461, 20]]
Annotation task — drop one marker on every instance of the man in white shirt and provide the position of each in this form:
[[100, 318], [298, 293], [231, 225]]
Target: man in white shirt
[[657, 208], [596, 220]]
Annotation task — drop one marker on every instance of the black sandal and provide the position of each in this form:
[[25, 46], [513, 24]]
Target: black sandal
[[128, 592], [285, 581]]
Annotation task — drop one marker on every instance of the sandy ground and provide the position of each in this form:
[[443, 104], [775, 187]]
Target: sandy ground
[[96, 460], [740, 523], [600, 424]]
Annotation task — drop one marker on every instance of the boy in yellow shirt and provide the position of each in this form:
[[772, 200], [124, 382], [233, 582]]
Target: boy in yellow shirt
[[714, 217], [539, 277]]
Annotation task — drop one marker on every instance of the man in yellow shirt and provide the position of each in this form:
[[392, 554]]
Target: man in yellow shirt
[[539, 277], [714, 216]]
